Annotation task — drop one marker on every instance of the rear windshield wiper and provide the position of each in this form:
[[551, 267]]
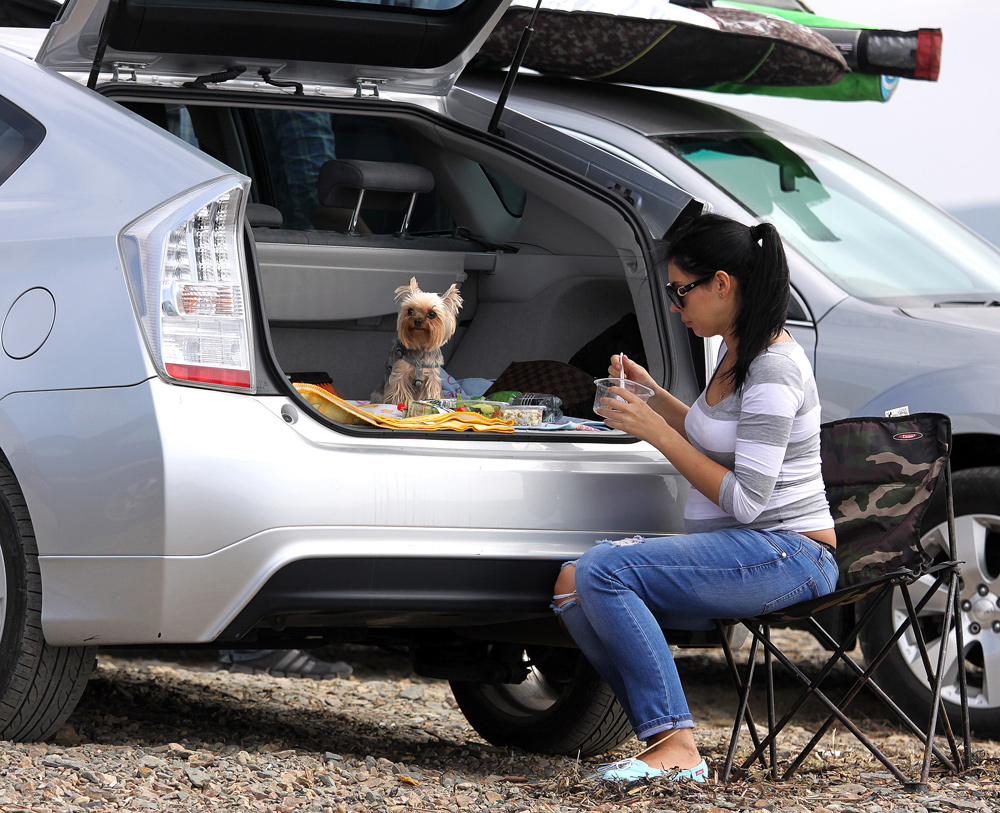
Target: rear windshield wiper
[[968, 303]]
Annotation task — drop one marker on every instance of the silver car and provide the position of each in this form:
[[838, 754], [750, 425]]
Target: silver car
[[897, 304], [174, 262], [163, 483]]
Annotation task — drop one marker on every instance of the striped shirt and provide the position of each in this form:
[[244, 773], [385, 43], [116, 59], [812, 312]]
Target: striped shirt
[[767, 436]]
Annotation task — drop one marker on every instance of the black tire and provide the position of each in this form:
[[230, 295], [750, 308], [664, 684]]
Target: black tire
[[977, 519], [562, 708], [40, 685]]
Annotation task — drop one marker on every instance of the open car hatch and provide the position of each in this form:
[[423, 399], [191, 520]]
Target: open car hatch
[[316, 43]]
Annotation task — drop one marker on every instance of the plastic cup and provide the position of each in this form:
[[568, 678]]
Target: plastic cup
[[633, 387]]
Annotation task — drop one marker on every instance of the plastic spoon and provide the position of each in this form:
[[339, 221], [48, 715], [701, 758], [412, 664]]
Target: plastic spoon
[[621, 378]]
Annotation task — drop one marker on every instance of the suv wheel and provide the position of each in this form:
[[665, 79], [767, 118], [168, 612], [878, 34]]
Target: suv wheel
[[40, 685], [562, 707], [977, 525]]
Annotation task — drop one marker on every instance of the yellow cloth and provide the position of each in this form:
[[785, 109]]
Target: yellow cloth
[[341, 411]]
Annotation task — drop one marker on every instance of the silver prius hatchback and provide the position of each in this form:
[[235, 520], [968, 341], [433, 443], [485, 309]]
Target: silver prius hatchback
[[183, 245], [177, 258]]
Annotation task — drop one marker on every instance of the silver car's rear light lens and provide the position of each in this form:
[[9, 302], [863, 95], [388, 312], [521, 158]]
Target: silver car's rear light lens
[[187, 276]]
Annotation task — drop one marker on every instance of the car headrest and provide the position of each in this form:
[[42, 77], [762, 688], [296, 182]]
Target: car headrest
[[260, 214], [387, 186]]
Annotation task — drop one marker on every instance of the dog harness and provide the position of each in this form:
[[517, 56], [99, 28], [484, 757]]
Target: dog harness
[[418, 381]]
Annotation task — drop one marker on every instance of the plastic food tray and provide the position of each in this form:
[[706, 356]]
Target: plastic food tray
[[521, 415]]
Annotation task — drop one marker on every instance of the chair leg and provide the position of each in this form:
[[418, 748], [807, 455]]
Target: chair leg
[[935, 677], [769, 672], [743, 709], [963, 685], [865, 679]]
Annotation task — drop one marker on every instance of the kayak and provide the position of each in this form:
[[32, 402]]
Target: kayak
[[664, 45], [728, 47]]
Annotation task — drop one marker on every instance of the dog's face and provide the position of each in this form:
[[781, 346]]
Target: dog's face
[[426, 321]]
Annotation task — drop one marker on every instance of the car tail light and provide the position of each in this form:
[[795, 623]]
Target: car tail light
[[187, 276]]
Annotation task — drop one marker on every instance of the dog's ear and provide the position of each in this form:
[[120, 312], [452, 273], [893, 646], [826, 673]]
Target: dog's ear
[[452, 299], [404, 291]]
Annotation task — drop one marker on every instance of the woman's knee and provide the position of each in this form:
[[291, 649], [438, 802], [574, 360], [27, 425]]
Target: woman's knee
[[564, 591], [566, 583], [580, 572]]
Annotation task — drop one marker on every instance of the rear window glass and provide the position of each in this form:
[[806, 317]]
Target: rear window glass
[[423, 5], [283, 150], [294, 145], [19, 135]]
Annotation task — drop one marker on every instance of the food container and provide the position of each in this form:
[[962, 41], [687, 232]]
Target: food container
[[551, 403], [435, 406], [528, 415], [633, 387], [417, 409]]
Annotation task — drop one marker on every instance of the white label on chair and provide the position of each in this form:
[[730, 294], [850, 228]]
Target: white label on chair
[[898, 412]]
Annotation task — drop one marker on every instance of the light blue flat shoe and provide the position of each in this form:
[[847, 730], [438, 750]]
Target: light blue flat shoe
[[632, 770]]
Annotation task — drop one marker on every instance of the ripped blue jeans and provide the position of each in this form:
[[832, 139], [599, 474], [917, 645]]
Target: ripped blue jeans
[[628, 591]]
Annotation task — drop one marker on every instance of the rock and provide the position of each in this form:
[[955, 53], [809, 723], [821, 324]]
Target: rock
[[196, 776], [178, 751], [67, 735]]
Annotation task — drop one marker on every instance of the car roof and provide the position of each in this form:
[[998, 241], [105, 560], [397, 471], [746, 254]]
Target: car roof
[[647, 111], [23, 41]]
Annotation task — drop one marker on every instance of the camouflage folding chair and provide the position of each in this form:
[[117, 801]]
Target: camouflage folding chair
[[880, 474]]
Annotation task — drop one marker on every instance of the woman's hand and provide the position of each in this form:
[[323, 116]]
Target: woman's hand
[[639, 419], [633, 415], [633, 371], [662, 403]]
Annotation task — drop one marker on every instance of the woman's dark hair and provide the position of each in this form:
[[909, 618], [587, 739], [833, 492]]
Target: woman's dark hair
[[753, 255]]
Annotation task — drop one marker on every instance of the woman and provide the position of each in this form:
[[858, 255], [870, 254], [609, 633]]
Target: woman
[[759, 531]]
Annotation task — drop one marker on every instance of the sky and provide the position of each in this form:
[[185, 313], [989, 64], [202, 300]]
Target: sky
[[941, 139]]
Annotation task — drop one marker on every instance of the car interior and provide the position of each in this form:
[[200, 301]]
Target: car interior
[[546, 270]]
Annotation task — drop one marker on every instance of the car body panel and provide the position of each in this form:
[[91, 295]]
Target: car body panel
[[916, 365], [88, 183], [297, 473]]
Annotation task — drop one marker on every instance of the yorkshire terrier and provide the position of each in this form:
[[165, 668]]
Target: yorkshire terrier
[[425, 322]]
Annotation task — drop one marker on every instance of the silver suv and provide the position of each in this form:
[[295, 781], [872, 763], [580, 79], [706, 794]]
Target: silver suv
[[173, 264], [897, 304]]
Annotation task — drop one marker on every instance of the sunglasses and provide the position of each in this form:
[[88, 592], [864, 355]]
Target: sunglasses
[[675, 294]]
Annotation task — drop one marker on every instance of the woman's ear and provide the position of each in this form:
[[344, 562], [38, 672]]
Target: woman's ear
[[723, 284]]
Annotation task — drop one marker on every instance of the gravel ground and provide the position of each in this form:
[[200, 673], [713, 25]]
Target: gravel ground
[[173, 734]]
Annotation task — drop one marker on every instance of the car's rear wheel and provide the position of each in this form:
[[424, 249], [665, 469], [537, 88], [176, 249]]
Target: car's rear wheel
[[977, 524], [40, 685], [563, 707]]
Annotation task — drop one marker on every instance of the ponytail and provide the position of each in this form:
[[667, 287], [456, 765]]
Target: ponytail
[[755, 256]]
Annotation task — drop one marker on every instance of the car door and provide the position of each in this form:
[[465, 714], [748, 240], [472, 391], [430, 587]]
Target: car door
[[367, 46]]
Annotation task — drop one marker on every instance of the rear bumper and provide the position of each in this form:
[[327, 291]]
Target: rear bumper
[[287, 578], [354, 593]]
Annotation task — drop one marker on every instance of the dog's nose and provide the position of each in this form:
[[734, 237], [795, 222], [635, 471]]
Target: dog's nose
[[418, 322]]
